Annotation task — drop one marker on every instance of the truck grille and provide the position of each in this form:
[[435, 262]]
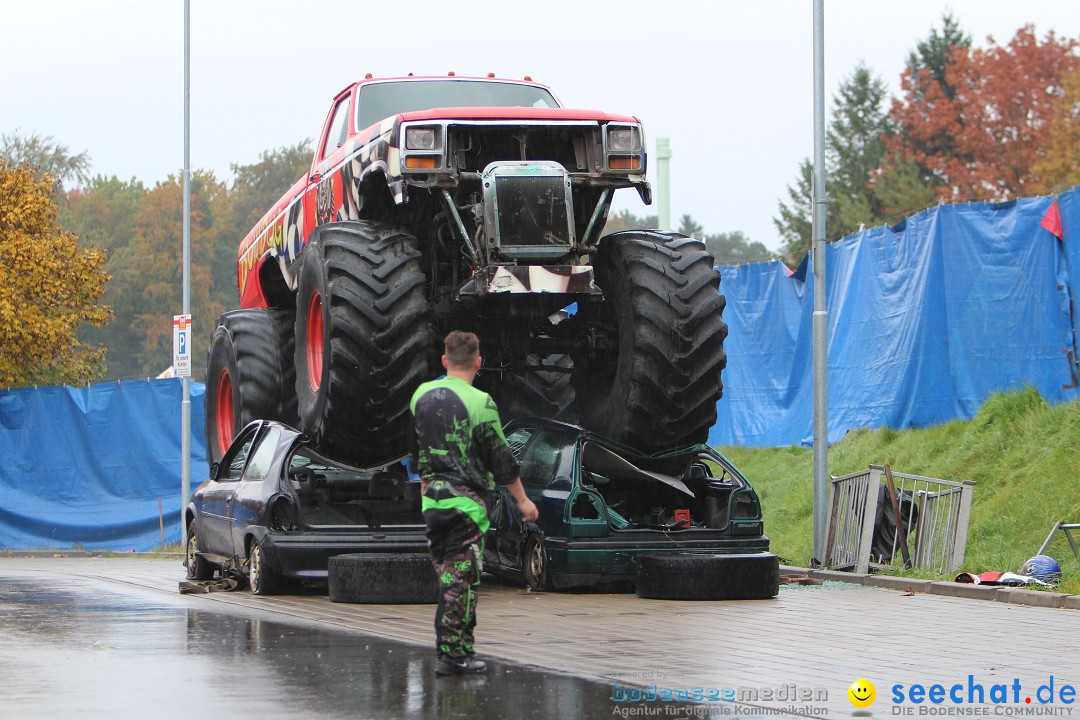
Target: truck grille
[[532, 210]]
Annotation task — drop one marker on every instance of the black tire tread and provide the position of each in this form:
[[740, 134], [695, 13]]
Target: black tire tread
[[708, 576], [262, 341], [376, 578], [536, 393], [379, 341]]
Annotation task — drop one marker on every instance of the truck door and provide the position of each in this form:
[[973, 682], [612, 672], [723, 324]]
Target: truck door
[[323, 194]]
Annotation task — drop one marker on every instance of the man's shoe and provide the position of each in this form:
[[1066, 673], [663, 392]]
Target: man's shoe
[[459, 666]]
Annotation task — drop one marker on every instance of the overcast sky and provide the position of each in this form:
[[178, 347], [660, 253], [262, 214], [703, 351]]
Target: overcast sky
[[730, 83]]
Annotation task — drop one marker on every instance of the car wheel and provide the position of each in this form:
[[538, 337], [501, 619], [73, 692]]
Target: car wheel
[[705, 576], [198, 568], [261, 579], [534, 564], [383, 578]]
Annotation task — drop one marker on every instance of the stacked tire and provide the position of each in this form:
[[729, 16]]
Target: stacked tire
[[708, 576], [391, 578]]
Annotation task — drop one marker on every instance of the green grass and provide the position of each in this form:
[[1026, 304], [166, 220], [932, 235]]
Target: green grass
[[1023, 455]]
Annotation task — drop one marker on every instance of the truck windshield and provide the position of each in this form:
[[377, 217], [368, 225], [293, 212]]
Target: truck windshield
[[381, 100]]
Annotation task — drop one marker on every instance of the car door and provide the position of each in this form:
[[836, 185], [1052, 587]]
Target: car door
[[539, 462], [503, 510], [257, 484], [219, 496]]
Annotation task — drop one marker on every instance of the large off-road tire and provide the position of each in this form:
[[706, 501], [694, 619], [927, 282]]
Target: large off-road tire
[[363, 344], [693, 576], [545, 394], [657, 385], [382, 578], [249, 374]]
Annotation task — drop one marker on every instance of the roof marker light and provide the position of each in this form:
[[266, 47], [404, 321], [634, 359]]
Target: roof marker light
[[450, 74], [528, 78], [491, 75], [368, 76]]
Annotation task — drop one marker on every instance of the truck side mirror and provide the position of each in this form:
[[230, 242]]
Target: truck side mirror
[[215, 469]]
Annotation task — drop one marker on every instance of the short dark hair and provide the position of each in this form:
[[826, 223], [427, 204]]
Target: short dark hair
[[461, 349]]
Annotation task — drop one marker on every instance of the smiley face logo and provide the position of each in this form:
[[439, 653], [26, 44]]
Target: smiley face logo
[[862, 693]]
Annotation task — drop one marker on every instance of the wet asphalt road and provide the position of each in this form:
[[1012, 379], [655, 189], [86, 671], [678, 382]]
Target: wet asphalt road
[[75, 647]]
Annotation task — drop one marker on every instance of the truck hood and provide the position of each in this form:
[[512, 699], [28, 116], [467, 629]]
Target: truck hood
[[514, 113]]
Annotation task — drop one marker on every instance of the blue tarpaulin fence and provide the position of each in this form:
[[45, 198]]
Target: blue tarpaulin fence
[[926, 320], [85, 467]]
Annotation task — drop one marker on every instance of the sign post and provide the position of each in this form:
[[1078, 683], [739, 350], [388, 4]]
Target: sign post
[[181, 345]]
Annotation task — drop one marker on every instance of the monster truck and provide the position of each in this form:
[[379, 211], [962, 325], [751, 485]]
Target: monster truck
[[439, 203]]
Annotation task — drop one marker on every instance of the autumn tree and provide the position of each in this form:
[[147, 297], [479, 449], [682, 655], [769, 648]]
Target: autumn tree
[[256, 187], [1057, 167], [50, 286], [984, 140], [925, 123], [102, 213], [150, 274]]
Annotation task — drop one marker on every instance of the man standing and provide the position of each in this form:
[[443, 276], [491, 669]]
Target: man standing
[[460, 455]]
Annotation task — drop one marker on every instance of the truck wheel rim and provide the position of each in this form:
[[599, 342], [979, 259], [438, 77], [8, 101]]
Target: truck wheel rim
[[315, 341], [224, 416]]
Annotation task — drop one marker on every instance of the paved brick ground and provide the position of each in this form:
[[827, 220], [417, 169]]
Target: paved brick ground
[[818, 638]]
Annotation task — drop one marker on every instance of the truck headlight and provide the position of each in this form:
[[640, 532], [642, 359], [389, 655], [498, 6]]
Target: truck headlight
[[624, 140], [423, 138]]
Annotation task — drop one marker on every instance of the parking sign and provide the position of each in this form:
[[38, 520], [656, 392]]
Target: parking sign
[[181, 344]]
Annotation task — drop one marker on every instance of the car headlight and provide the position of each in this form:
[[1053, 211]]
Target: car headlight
[[624, 140], [422, 138]]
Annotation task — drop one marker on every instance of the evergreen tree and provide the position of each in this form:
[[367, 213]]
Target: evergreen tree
[[689, 227], [735, 247], [854, 148]]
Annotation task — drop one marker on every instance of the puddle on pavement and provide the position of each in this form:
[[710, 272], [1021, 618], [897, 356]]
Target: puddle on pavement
[[73, 649]]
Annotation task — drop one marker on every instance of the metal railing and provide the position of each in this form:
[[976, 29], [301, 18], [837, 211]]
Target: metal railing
[[882, 519]]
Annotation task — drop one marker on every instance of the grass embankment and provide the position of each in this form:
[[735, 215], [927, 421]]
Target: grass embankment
[[1023, 455]]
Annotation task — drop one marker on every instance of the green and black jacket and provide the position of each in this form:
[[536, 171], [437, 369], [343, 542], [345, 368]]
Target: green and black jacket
[[458, 436]]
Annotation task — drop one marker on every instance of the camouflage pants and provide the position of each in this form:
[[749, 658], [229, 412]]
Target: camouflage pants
[[456, 518]]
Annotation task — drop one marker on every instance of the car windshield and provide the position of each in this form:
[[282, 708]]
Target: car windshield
[[381, 100]]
